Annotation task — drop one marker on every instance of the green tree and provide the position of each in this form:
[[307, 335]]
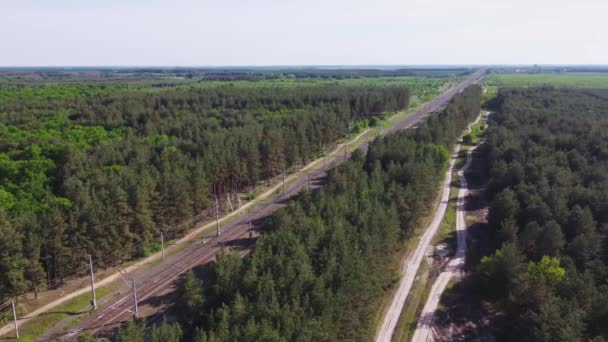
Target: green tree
[[166, 332], [12, 262], [191, 299], [34, 272], [580, 222], [547, 271], [499, 273], [551, 240], [132, 332], [504, 207]]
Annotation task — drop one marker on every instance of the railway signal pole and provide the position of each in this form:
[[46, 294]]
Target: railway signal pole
[[284, 180], [162, 244], [217, 217], [92, 275], [250, 228], [308, 181], [136, 312], [15, 320], [229, 202]]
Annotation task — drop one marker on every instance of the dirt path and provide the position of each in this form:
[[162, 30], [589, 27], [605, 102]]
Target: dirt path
[[161, 277], [184, 240], [412, 263], [163, 281], [455, 266]]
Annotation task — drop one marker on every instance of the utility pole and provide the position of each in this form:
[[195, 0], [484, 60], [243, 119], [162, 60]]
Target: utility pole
[[162, 244], [284, 180], [229, 202], [250, 228], [136, 313], [217, 217], [15, 320], [308, 181], [94, 300]]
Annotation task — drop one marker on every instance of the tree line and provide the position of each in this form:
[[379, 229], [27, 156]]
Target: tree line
[[323, 263], [172, 76], [547, 155], [101, 170]]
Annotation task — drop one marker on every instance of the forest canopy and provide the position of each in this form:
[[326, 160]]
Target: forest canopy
[[548, 189], [101, 169], [319, 270]]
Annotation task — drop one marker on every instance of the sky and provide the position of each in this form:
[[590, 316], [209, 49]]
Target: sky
[[301, 32]]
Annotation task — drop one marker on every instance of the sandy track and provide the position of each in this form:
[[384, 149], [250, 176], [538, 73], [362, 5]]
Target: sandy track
[[188, 238], [192, 256], [455, 266], [412, 262], [163, 280]]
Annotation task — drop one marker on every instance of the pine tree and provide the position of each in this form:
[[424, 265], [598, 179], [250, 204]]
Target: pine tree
[[132, 332], [12, 262], [191, 299], [200, 189], [166, 332]]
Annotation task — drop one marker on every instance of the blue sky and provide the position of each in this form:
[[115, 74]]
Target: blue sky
[[297, 32]]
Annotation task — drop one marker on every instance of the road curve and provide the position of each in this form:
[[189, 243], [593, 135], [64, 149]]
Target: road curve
[[162, 279], [455, 266]]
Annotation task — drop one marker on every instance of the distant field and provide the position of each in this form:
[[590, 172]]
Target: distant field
[[422, 88], [575, 80]]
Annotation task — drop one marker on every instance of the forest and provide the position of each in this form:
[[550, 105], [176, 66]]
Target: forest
[[322, 265], [168, 76], [101, 169], [547, 156]]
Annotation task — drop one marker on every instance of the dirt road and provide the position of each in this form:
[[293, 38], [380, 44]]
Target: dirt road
[[134, 268], [412, 262], [455, 266], [160, 279]]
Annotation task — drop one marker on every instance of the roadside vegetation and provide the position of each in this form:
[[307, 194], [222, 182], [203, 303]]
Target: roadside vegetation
[[320, 270], [101, 171], [101, 168]]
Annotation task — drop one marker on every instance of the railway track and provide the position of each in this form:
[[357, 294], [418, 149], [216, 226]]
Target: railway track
[[161, 280]]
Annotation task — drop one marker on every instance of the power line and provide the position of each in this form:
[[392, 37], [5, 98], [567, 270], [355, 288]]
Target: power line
[[173, 231]]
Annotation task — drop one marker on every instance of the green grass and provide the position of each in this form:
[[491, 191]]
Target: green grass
[[489, 94], [575, 80], [409, 316], [446, 232], [425, 88], [474, 137], [36, 327], [422, 286]]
